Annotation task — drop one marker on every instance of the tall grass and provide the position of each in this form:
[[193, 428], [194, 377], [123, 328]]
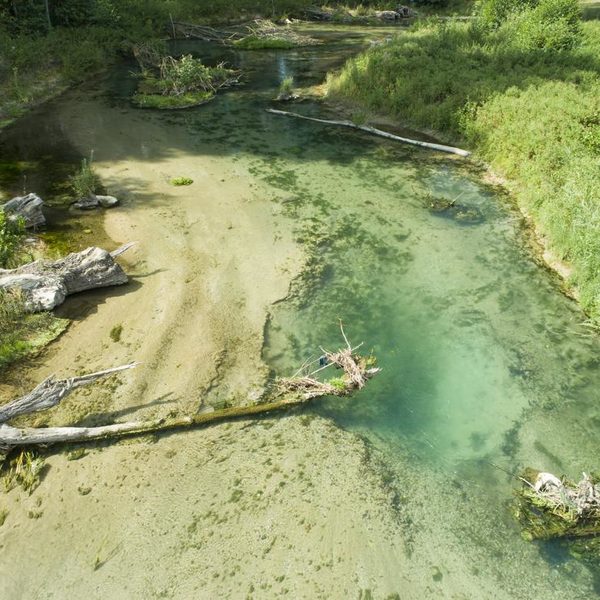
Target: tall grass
[[531, 111]]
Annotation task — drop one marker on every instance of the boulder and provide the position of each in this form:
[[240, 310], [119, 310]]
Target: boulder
[[93, 201], [28, 207], [107, 201]]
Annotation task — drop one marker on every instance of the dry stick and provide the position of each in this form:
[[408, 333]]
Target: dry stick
[[51, 392], [379, 132]]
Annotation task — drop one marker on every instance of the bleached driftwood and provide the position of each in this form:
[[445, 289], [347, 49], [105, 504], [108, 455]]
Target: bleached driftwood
[[357, 370], [45, 284], [290, 392], [374, 131], [582, 499], [51, 392], [28, 207]]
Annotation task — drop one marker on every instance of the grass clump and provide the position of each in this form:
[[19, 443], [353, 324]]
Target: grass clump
[[12, 232], [522, 95], [25, 470], [179, 181], [22, 333], [85, 181]]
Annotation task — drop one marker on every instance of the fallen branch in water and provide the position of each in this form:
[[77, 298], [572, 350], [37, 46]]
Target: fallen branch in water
[[290, 392], [372, 130]]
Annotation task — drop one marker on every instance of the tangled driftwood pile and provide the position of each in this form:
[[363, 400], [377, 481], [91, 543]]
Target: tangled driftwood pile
[[259, 29], [263, 29], [357, 370], [549, 507]]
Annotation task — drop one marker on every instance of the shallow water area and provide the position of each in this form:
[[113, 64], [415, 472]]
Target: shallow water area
[[397, 492]]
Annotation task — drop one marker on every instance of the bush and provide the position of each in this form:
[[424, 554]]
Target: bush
[[85, 182], [552, 25], [12, 232]]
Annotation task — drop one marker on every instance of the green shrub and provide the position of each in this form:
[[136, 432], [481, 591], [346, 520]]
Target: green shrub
[[12, 232], [178, 181], [552, 25], [85, 181]]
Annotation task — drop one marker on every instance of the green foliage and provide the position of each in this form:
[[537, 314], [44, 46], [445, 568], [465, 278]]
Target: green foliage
[[178, 181], [12, 232], [171, 102], [25, 470], [287, 86], [529, 109], [85, 181], [22, 333], [338, 383], [551, 25], [495, 12]]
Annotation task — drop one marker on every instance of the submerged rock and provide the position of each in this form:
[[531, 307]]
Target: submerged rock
[[28, 207], [107, 201], [93, 201], [442, 207]]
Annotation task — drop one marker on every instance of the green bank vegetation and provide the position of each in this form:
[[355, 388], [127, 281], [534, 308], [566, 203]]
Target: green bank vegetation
[[21, 333], [520, 85]]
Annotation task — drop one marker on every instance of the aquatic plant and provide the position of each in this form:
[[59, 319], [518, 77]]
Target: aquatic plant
[[287, 86], [85, 182], [179, 181], [115, 333], [548, 507], [181, 83]]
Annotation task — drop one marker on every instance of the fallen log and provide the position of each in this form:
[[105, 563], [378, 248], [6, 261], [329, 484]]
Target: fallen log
[[289, 393], [45, 284], [374, 131], [28, 207]]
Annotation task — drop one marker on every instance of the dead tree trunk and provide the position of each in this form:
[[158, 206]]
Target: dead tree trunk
[[372, 130], [289, 393], [45, 284]]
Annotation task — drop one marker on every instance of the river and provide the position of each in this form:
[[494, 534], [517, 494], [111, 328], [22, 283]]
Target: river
[[402, 491]]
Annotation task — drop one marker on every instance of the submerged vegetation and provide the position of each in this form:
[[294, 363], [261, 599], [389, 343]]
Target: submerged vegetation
[[521, 85]]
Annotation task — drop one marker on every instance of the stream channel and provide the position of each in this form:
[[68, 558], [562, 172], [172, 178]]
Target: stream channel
[[396, 492]]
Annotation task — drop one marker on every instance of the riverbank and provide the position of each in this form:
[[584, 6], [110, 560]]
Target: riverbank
[[530, 115]]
